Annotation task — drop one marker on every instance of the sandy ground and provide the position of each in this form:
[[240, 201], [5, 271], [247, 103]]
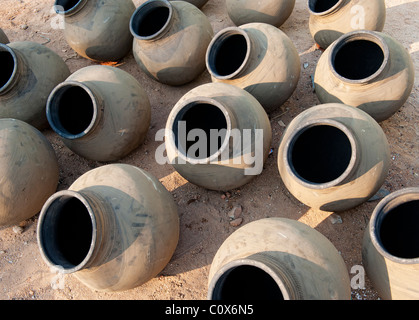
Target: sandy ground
[[204, 221]]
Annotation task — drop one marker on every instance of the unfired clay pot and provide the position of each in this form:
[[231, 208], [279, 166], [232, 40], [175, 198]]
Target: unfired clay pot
[[28, 73], [97, 29], [390, 250], [115, 228], [101, 113], [170, 40], [278, 259], [333, 157], [3, 37], [218, 162], [274, 12], [28, 170], [258, 58], [330, 19], [368, 70]]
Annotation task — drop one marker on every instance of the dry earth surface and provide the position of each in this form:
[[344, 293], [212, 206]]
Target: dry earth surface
[[204, 221]]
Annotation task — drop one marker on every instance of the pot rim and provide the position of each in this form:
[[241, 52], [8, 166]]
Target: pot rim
[[74, 9], [377, 216], [331, 9], [13, 77], [319, 122], [372, 36], [215, 43]]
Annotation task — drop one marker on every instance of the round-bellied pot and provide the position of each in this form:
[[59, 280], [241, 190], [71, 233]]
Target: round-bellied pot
[[29, 171], [3, 37], [197, 3], [333, 157], [278, 259], [218, 136], [368, 70], [170, 40], [101, 113], [115, 228], [97, 29], [274, 12], [29, 71], [330, 19], [258, 58], [390, 250]]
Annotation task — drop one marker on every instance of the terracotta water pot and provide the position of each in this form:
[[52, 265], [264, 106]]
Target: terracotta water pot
[[3, 37], [29, 171], [170, 40], [258, 58], [101, 113], [97, 29], [218, 136], [278, 259], [274, 12], [368, 70], [333, 157], [330, 19], [29, 71], [197, 3], [115, 228], [390, 251]]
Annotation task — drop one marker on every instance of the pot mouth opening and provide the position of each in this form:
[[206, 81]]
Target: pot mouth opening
[[321, 7], [151, 19], [247, 281], [72, 110], [67, 6], [396, 227], [321, 154], [201, 130], [8, 67], [228, 53], [359, 56], [67, 231]]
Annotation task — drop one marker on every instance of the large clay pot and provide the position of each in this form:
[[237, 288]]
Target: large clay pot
[[208, 136], [390, 251], [278, 259], [333, 157], [115, 228], [330, 19], [258, 58], [97, 29], [29, 71], [197, 3], [368, 70], [170, 40], [101, 113], [274, 12], [3, 37], [28, 170]]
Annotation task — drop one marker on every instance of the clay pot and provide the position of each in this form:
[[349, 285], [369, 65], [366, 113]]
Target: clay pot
[[368, 70], [218, 136], [100, 112], [278, 259], [28, 169], [29, 71], [258, 58], [333, 157], [274, 12], [115, 228], [171, 39], [330, 19], [390, 251], [97, 29], [3, 37], [197, 3]]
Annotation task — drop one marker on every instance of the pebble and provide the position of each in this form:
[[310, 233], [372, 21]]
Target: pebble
[[334, 218], [236, 222], [24, 26], [235, 212], [17, 229]]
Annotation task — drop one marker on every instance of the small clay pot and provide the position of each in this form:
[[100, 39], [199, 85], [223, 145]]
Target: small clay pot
[[274, 12], [367, 70], [3, 37], [101, 113], [330, 19], [170, 40], [29, 71]]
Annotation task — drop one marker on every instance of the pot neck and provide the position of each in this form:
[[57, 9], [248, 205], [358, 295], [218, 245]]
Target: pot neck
[[325, 8], [74, 110], [152, 20], [269, 277], [13, 66], [69, 7], [74, 230], [229, 53]]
